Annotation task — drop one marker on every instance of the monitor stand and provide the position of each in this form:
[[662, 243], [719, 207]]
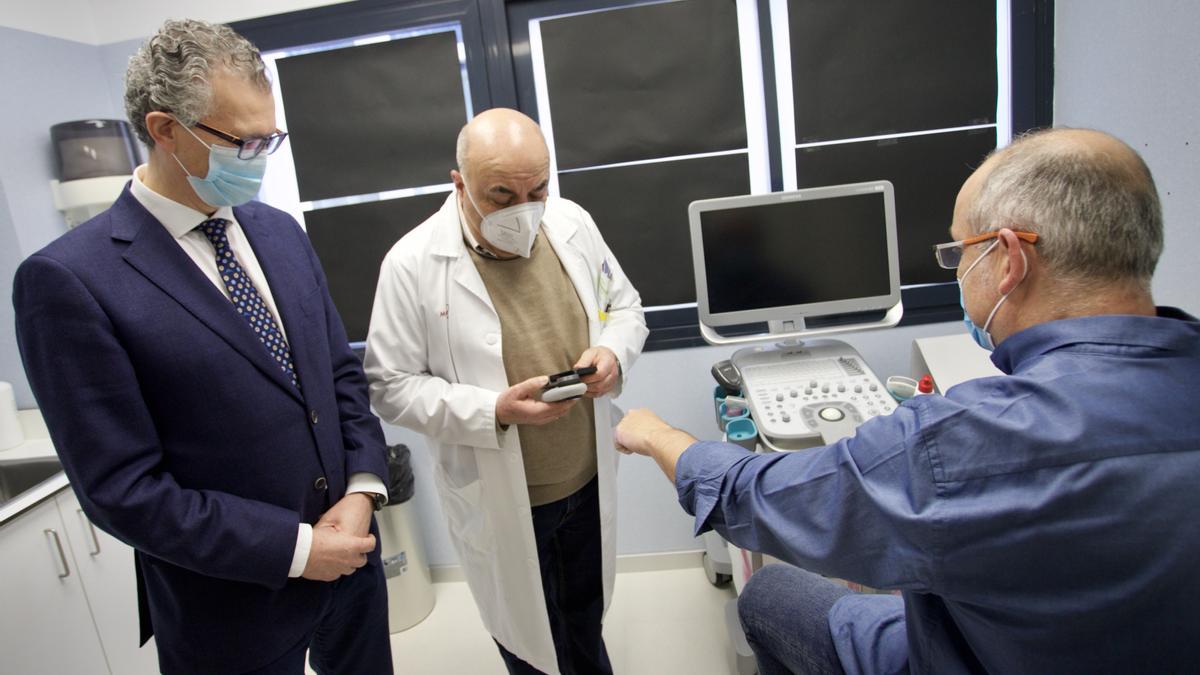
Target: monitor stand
[[789, 329]]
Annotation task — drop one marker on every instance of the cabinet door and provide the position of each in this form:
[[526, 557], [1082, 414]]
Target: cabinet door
[[106, 567], [45, 626]]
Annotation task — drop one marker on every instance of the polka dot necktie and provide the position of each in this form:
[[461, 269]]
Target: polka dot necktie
[[246, 299]]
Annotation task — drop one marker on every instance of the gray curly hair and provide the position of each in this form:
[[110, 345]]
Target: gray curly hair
[[171, 70]]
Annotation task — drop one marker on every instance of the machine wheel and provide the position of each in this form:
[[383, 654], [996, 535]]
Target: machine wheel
[[714, 577]]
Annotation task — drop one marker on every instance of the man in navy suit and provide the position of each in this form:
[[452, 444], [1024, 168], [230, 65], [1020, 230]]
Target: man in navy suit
[[199, 388]]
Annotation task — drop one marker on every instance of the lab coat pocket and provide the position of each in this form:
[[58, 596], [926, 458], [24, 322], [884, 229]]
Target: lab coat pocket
[[465, 514]]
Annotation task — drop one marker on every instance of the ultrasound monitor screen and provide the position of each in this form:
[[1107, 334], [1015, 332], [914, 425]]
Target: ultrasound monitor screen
[[795, 253]]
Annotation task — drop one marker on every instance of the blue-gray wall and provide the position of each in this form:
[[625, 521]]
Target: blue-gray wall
[[46, 81], [10, 256]]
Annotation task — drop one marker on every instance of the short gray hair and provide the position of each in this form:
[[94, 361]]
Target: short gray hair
[[171, 71], [1097, 213], [460, 148]]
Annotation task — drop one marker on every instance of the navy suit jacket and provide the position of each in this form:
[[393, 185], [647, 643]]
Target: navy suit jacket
[[180, 434]]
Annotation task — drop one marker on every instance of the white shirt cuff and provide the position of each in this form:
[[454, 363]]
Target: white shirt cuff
[[359, 482], [303, 546], [366, 482]]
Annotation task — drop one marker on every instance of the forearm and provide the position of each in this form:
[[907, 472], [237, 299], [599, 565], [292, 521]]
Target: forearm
[[214, 533], [624, 334], [460, 414], [667, 446], [362, 434]]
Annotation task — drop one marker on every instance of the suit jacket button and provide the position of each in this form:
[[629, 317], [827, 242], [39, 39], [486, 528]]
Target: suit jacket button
[[312, 415], [320, 484]]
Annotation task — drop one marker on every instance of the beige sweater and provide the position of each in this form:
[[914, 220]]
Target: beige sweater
[[543, 330]]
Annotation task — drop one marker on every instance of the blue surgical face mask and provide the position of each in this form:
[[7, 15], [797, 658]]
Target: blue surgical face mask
[[230, 181], [981, 335]]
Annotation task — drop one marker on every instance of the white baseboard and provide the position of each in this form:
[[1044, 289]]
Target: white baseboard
[[658, 562], [626, 564], [444, 574]]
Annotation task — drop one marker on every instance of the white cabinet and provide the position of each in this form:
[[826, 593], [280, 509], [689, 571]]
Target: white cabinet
[[45, 624], [106, 568], [69, 596], [951, 359]]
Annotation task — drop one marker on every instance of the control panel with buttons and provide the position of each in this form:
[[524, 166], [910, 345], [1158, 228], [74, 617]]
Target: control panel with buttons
[[819, 389]]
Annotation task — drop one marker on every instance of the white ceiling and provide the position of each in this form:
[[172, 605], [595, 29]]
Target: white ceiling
[[100, 22]]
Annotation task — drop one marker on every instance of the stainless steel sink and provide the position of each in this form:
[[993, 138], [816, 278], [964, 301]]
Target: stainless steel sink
[[17, 476]]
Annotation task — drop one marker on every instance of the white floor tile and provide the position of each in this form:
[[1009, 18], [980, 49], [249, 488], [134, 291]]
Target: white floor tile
[[660, 623]]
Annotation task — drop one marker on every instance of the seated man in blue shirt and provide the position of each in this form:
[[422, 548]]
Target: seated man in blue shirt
[[1044, 521]]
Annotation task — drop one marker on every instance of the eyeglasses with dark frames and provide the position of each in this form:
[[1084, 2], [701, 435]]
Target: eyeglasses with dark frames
[[949, 255], [249, 148]]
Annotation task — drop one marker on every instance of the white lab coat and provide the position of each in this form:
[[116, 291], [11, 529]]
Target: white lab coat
[[435, 365]]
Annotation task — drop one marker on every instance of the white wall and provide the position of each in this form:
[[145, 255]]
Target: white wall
[[101, 22], [67, 19], [1131, 68]]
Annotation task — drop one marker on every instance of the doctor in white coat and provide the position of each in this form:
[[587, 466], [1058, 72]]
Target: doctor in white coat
[[436, 363]]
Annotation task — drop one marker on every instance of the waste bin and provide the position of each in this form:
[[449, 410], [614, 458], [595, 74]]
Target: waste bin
[[410, 587]]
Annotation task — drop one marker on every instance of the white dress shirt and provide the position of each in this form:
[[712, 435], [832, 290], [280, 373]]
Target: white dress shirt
[[181, 221]]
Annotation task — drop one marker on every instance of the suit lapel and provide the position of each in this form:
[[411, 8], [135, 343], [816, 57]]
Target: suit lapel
[[287, 290], [158, 257]]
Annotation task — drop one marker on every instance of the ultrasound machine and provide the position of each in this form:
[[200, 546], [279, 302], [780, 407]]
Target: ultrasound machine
[[806, 263], [787, 269]]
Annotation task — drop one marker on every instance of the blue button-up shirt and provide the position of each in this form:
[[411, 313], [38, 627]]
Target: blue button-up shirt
[[1046, 521]]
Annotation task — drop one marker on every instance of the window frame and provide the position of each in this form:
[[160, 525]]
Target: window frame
[[1031, 52], [319, 27], [367, 17], [495, 33]]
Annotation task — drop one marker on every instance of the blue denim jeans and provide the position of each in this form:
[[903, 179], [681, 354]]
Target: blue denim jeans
[[798, 622], [785, 615], [569, 550]]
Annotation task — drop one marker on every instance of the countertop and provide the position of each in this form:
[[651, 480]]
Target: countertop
[[37, 445]]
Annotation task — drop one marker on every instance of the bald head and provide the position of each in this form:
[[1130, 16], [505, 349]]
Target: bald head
[[1095, 145], [502, 161], [1088, 148], [501, 138], [1089, 196]]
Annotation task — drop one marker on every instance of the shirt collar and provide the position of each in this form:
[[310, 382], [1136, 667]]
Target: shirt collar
[[1170, 328], [469, 236], [177, 218]]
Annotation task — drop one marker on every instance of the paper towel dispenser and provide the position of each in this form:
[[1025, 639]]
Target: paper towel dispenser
[[93, 160]]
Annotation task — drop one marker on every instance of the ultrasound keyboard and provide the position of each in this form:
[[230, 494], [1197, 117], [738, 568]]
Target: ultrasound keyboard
[[820, 390]]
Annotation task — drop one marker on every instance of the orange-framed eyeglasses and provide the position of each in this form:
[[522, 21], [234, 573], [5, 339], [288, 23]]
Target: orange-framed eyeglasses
[[949, 255]]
